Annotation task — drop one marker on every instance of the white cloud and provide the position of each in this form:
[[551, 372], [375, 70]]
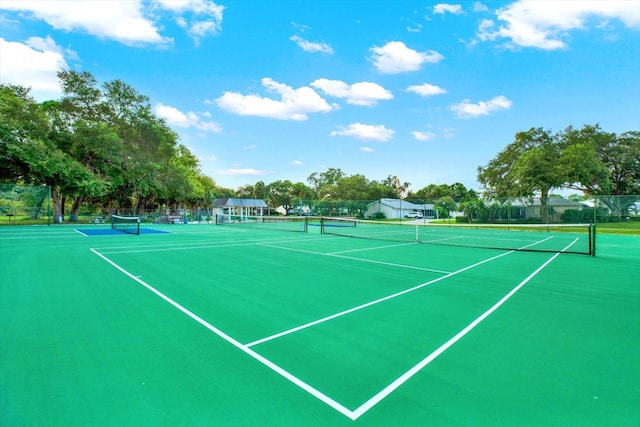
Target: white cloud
[[34, 64], [528, 23], [208, 126], [479, 7], [296, 163], [175, 117], [308, 46], [367, 149], [442, 8], [365, 132], [249, 147], [467, 110], [122, 21], [205, 7], [204, 17], [244, 172], [362, 93], [294, 104], [426, 89], [423, 136], [395, 57]]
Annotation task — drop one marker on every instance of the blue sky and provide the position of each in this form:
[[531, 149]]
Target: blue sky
[[272, 90]]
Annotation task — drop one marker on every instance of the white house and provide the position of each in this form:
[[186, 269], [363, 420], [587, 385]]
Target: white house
[[241, 207], [396, 208], [556, 206]]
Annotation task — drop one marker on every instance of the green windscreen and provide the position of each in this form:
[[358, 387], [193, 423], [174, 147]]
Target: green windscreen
[[281, 223], [569, 238]]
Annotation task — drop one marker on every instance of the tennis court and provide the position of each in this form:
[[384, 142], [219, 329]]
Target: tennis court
[[249, 324]]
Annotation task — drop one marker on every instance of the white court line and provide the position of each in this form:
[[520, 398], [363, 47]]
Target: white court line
[[370, 303], [378, 397], [430, 358], [335, 255], [169, 247], [295, 380], [377, 301], [64, 236], [374, 248]]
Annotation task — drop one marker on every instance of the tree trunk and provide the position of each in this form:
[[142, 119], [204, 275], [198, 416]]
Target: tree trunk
[[58, 206], [544, 206], [75, 208]]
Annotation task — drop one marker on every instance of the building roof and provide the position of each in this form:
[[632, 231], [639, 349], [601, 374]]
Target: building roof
[[551, 201], [402, 204], [229, 202]]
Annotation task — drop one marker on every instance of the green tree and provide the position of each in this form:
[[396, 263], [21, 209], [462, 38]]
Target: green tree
[[246, 191], [433, 192], [473, 209], [259, 190], [397, 188], [281, 193], [601, 163], [324, 184], [445, 205], [30, 154], [23, 129], [353, 187], [530, 165]]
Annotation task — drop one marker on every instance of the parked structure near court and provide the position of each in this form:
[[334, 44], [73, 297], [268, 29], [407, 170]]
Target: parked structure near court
[[240, 207]]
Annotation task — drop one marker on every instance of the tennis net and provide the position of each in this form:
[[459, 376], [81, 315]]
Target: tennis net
[[280, 223], [569, 238], [126, 224]]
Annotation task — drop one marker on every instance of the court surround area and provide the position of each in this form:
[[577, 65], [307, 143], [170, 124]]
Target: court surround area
[[248, 324]]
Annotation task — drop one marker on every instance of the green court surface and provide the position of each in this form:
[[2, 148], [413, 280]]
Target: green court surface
[[220, 325]]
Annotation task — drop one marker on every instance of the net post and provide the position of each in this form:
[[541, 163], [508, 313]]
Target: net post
[[592, 239]]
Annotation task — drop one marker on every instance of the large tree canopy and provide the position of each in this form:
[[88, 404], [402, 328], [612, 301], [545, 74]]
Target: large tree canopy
[[601, 163], [529, 165], [97, 146], [586, 159]]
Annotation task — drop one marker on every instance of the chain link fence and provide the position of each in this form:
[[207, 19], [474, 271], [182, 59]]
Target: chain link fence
[[534, 210], [22, 204]]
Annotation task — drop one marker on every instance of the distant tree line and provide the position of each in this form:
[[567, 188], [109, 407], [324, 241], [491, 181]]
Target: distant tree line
[[101, 147]]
